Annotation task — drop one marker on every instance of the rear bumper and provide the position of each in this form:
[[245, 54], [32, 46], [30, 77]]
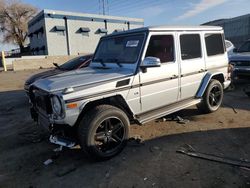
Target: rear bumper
[[226, 84]]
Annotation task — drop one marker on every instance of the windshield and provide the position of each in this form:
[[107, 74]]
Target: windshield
[[245, 47], [74, 63], [119, 49]]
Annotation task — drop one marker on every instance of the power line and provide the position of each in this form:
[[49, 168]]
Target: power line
[[135, 6]]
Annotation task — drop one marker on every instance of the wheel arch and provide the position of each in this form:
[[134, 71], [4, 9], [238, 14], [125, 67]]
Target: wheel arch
[[117, 101], [205, 81]]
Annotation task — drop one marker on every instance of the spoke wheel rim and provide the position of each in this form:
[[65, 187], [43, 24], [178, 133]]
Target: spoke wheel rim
[[109, 135], [215, 96]]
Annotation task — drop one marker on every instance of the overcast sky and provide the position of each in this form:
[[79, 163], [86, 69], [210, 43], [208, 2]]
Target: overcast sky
[[155, 12]]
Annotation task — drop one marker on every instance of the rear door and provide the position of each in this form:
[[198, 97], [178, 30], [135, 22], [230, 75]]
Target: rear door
[[192, 63], [159, 85]]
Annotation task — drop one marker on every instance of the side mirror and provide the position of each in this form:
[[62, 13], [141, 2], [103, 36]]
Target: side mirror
[[235, 50], [151, 62]]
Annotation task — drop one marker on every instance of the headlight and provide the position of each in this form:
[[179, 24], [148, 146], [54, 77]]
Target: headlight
[[57, 106]]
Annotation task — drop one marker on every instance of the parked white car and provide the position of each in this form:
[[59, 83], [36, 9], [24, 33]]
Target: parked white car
[[135, 76]]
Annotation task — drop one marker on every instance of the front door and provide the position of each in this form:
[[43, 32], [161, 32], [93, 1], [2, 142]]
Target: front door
[[159, 86]]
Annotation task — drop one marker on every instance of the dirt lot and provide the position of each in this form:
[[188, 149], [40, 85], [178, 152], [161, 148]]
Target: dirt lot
[[152, 164]]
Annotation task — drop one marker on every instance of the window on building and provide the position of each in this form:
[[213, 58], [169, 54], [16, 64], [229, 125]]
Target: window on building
[[84, 31], [60, 30], [214, 44], [190, 46], [161, 46], [60, 33]]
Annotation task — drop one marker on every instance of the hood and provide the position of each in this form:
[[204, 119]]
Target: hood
[[81, 77], [41, 75], [245, 56]]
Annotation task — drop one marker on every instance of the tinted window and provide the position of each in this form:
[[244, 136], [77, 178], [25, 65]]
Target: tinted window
[[190, 46], [214, 44], [161, 46], [119, 49]]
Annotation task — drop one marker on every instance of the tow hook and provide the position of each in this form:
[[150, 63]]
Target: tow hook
[[61, 141]]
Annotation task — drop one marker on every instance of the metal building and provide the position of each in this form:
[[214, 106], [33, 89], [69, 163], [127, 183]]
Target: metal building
[[67, 33], [237, 29]]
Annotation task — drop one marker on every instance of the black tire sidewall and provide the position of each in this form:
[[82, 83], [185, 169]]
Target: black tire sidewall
[[96, 117], [210, 87]]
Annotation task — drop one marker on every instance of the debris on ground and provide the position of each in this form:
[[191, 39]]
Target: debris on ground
[[136, 140], [145, 178], [47, 162], [66, 170], [76, 147], [154, 148], [190, 151], [230, 106], [163, 119], [180, 120], [60, 148]]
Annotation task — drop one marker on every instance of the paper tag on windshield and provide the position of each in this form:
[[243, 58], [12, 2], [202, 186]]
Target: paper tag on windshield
[[132, 43]]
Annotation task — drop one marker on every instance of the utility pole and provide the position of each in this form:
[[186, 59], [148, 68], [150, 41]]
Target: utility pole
[[104, 5]]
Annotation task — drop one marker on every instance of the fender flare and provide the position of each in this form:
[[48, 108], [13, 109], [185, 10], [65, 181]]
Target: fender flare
[[116, 100], [205, 82]]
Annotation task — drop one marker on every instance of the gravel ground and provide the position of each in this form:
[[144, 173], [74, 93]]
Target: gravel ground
[[153, 163]]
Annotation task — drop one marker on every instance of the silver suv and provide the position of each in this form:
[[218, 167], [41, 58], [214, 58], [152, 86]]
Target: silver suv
[[135, 76]]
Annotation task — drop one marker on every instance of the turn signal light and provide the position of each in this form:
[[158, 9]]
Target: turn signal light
[[71, 105]]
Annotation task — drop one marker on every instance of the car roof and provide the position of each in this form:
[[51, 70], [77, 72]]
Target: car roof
[[170, 28]]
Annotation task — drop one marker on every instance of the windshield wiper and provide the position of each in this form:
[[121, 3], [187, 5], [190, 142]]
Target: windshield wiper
[[99, 60], [57, 66], [114, 60], [60, 68]]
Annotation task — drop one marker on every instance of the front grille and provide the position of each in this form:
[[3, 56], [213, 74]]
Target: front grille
[[41, 101], [241, 63]]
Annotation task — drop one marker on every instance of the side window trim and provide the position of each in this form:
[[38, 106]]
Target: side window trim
[[223, 44], [174, 45]]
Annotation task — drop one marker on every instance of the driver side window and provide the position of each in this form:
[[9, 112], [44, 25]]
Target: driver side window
[[162, 47]]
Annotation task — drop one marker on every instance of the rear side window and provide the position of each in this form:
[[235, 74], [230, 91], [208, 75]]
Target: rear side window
[[190, 46], [161, 46], [214, 44]]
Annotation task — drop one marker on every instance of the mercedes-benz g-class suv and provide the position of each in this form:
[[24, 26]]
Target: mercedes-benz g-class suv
[[135, 76]]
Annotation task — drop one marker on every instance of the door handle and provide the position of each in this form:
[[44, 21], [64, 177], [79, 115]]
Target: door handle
[[174, 76], [202, 70]]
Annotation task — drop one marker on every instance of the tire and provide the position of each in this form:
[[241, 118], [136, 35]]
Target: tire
[[103, 132], [212, 98]]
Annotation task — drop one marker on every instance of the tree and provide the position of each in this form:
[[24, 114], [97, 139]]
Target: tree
[[14, 19]]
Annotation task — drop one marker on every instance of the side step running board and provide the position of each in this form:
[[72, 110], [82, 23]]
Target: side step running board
[[163, 111]]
